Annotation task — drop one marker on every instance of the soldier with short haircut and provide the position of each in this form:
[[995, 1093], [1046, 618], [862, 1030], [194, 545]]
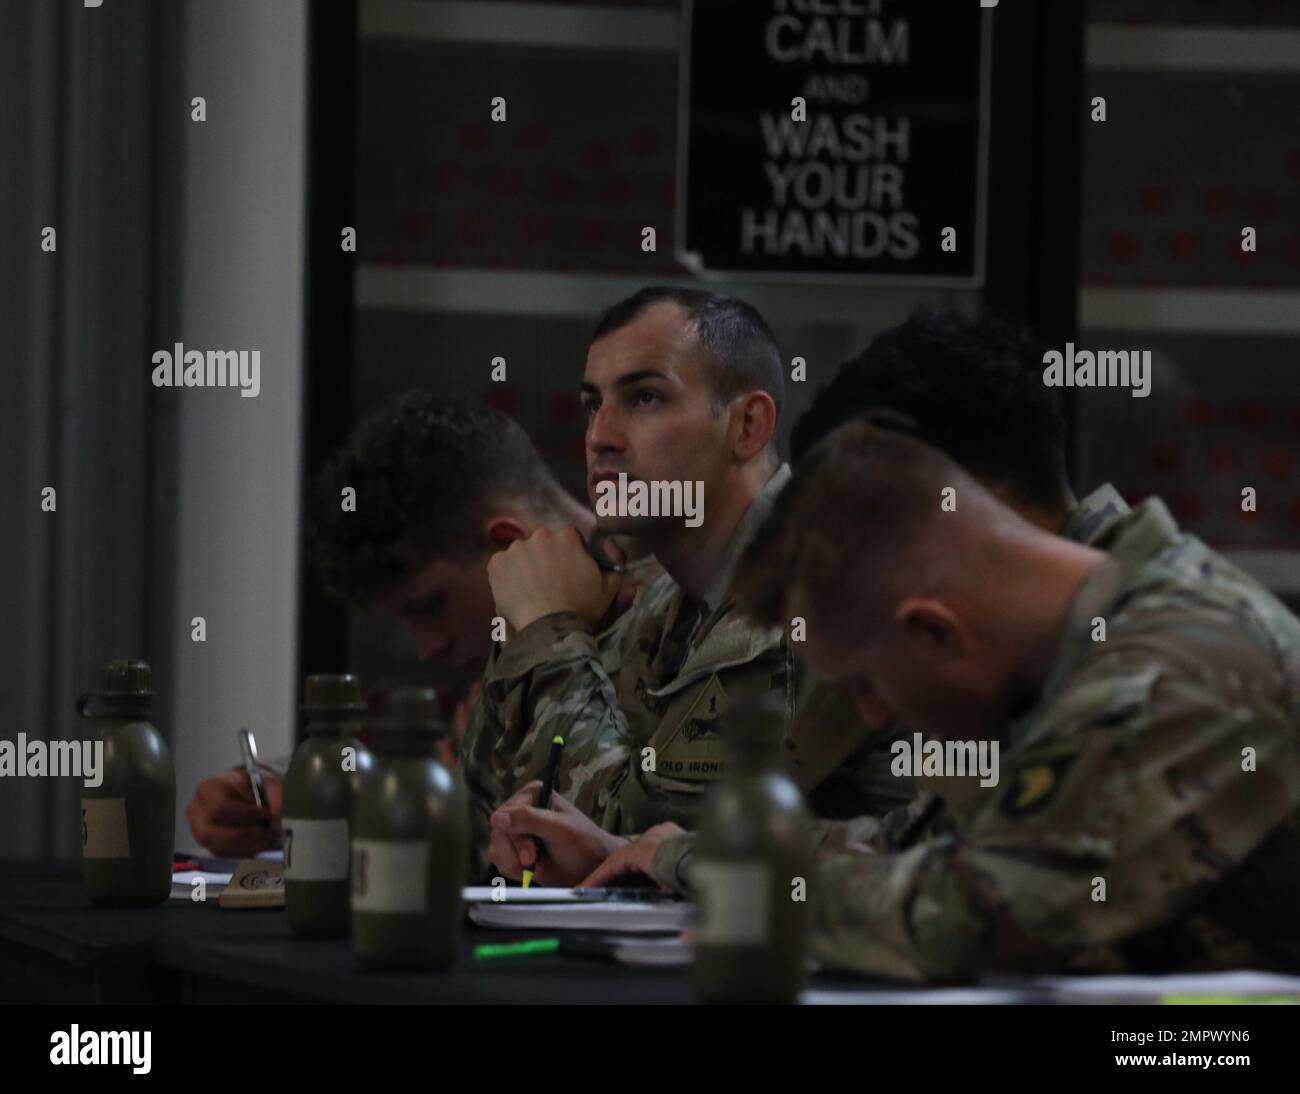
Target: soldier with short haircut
[[1147, 701], [440, 485], [680, 386], [933, 368]]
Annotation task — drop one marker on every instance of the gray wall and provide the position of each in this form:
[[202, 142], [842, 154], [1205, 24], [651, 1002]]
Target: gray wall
[[171, 504], [238, 458]]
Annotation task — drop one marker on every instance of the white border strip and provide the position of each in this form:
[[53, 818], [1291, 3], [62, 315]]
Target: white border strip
[[469, 291], [1211, 311], [1229, 49], [1279, 570], [501, 23]]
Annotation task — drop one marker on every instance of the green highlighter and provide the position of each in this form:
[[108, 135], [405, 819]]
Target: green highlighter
[[517, 949]]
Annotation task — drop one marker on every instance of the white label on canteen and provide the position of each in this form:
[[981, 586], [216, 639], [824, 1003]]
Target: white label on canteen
[[389, 876], [103, 828], [733, 902], [316, 850]]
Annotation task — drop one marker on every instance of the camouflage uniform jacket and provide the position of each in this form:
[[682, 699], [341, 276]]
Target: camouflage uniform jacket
[[642, 721], [1096, 517], [498, 753], [1148, 811]]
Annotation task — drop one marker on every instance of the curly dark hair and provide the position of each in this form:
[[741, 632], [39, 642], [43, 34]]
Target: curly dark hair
[[426, 471], [974, 389]]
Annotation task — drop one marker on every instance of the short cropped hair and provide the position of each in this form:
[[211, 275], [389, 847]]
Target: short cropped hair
[[974, 388], [426, 471], [856, 526], [741, 352]]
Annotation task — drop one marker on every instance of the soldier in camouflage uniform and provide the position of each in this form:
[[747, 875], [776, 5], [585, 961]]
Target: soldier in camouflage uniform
[[440, 484], [1092, 523], [642, 722], [617, 697], [1148, 811], [503, 747], [926, 374], [642, 713]]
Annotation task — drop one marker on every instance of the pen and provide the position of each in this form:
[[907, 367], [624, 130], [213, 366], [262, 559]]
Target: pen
[[548, 785], [248, 748]]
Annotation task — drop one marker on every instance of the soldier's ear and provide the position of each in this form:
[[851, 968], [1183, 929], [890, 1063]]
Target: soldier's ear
[[756, 415], [933, 625], [500, 531]]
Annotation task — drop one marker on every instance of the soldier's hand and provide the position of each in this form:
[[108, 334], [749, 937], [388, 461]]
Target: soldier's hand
[[571, 845], [610, 548], [548, 572], [634, 857], [224, 819]]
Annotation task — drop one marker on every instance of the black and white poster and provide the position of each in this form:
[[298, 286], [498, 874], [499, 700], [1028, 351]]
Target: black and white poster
[[842, 139]]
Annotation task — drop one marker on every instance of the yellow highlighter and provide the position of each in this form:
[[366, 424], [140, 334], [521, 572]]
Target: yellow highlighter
[[548, 785]]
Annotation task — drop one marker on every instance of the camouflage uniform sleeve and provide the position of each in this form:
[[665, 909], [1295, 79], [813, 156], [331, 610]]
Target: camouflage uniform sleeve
[[671, 864], [897, 829], [482, 785], [1134, 779], [551, 679], [672, 859]]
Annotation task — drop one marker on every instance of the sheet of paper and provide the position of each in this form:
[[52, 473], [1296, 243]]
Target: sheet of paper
[[183, 883], [1106, 989], [654, 951], [917, 997], [620, 915]]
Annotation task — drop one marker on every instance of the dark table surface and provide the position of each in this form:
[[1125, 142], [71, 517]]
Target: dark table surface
[[56, 947], [43, 907], [198, 951], [276, 967]]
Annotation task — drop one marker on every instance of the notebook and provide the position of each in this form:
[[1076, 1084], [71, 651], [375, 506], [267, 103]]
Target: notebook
[[537, 894], [623, 916]]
